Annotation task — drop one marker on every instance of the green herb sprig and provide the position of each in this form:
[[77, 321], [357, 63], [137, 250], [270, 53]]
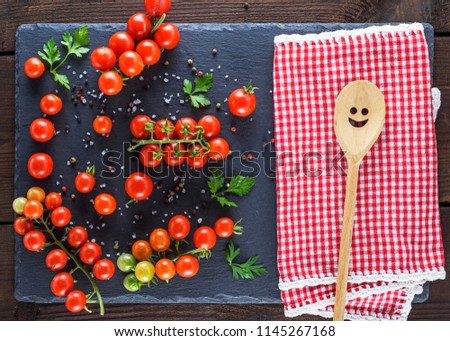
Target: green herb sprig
[[201, 84], [238, 185], [247, 270]]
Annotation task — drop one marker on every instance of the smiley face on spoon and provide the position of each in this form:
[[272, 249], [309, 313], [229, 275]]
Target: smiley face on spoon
[[358, 124]]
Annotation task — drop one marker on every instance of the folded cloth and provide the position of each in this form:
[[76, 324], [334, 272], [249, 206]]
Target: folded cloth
[[397, 242]]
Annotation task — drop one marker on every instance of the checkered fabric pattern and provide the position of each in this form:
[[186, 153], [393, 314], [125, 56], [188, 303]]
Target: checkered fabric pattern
[[397, 242]]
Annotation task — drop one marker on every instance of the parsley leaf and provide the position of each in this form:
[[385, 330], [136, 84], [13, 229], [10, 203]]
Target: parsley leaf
[[225, 202], [238, 185], [51, 53], [247, 270], [216, 181], [201, 84]]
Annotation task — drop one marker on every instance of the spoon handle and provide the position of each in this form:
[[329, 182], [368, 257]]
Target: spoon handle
[[346, 240]]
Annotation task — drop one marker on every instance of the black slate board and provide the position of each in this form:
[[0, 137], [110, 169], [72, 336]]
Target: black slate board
[[245, 51]]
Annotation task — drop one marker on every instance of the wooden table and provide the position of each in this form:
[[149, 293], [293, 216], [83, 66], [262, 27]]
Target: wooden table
[[14, 13]]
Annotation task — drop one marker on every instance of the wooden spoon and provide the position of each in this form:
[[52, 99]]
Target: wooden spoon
[[358, 120]]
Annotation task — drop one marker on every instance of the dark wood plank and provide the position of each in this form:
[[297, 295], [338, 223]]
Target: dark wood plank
[[8, 305], [300, 11]]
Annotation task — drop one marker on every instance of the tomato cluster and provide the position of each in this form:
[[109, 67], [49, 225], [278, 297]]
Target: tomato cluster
[[33, 224], [140, 46], [142, 264], [185, 141]]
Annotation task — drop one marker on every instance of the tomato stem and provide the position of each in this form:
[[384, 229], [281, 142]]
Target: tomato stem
[[158, 23]]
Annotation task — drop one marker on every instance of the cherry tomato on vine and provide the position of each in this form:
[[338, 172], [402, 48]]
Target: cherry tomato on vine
[[218, 149], [137, 126], [77, 236], [126, 262], [144, 271], [18, 204], [105, 204], [33, 67], [52, 201], [151, 155], [42, 130], [167, 36], [62, 284], [110, 83], [36, 193], [23, 225], [102, 125], [242, 102], [197, 156], [174, 153], [60, 216], [34, 240], [163, 130], [165, 269], [104, 269], [156, 8], [33, 209], [84, 182], [187, 266], [90, 253], [159, 240], [139, 186], [103, 58], [141, 250], [204, 238], [75, 301], [184, 128], [121, 42], [56, 260], [210, 125], [51, 104], [179, 227], [149, 51], [40, 165], [139, 26], [130, 63]]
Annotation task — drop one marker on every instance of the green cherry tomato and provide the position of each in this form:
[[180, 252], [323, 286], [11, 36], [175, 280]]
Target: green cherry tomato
[[18, 205], [131, 283], [144, 271], [126, 262]]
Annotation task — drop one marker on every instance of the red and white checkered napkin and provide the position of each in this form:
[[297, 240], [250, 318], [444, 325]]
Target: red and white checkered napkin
[[397, 244]]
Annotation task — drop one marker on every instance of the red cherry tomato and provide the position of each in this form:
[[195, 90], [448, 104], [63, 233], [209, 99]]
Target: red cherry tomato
[[210, 125], [104, 269], [167, 36], [242, 102], [33, 209], [23, 225], [42, 130], [33, 67], [139, 26], [84, 182], [149, 51], [62, 284], [174, 154], [179, 227], [187, 266], [185, 128], [163, 130], [34, 240], [77, 236], [224, 227], [151, 155], [51, 104], [110, 83], [56, 260], [139, 186], [130, 63], [137, 126], [90, 253], [105, 204], [102, 124], [159, 240], [121, 42], [197, 156], [52, 201], [141, 250], [40, 165], [75, 301], [165, 269], [218, 149], [204, 238], [60, 216], [103, 58], [156, 8]]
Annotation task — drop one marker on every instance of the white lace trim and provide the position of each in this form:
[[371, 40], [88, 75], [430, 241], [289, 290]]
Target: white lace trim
[[325, 36], [436, 101]]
